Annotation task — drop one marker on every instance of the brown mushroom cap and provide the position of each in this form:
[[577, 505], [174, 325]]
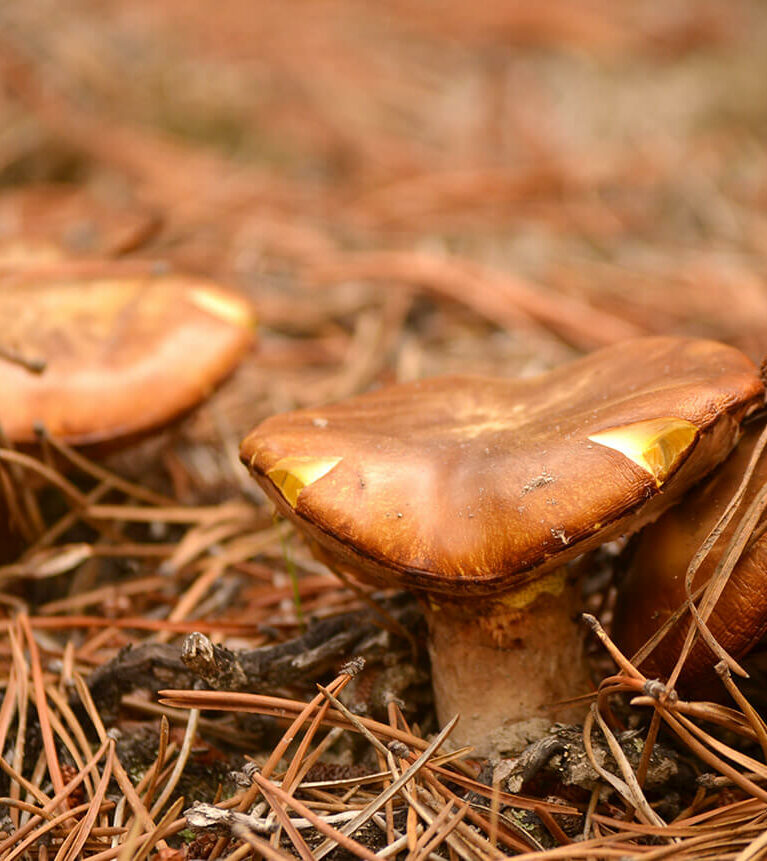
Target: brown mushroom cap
[[469, 485], [123, 355], [654, 585]]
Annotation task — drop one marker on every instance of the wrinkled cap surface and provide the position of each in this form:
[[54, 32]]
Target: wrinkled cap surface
[[473, 484], [654, 584], [122, 355]]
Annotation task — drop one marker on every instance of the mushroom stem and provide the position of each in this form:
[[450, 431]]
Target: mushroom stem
[[503, 667]]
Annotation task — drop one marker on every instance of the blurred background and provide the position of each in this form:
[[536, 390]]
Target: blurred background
[[403, 188]]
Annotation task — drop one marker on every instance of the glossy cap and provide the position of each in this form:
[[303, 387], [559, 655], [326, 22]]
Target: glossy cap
[[462, 485], [654, 586], [123, 354]]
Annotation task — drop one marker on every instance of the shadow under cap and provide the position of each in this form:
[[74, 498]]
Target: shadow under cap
[[468, 484]]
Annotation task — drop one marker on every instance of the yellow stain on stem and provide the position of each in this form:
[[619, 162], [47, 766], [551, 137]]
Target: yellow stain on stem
[[656, 445], [552, 583], [519, 598], [292, 474]]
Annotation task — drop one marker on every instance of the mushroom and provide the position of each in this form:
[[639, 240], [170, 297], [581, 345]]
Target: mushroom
[[102, 359], [653, 587], [473, 492], [106, 360]]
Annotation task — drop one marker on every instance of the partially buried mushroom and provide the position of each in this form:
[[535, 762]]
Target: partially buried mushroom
[[473, 492], [653, 588], [104, 359]]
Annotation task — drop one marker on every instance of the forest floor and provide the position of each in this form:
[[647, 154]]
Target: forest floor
[[403, 189]]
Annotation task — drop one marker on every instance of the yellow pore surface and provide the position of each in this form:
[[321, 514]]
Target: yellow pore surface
[[655, 445], [292, 474], [229, 308]]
